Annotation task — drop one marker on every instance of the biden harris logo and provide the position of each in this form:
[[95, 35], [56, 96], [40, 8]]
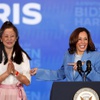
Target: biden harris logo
[[86, 94]]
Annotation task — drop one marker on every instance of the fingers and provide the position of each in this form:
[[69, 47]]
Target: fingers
[[70, 64], [33, 71], [83, 62], [74, 65], [10, 68]]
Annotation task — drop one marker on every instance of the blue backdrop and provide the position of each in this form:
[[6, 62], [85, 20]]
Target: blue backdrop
[[44, 29]]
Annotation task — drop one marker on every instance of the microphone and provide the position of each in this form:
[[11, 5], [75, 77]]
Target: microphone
[[79, 67], [88, 64]]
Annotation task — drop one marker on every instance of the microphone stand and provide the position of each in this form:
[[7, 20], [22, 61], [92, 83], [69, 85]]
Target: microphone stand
[[88, 70], [81, 71], [84, 76]]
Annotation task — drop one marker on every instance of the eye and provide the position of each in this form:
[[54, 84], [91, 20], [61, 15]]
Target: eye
[[79, 39], [12, 36], [85, 39], [6, 36]]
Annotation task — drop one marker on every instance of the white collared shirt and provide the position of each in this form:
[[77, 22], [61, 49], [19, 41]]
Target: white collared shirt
[[22, 68]]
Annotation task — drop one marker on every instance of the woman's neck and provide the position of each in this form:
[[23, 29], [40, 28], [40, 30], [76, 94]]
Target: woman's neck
[[79, 53]]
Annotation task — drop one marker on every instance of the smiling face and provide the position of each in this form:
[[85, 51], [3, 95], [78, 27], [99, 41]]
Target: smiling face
[[82, 43], [9, 38]]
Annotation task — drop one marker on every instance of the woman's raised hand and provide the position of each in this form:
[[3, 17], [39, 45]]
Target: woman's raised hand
[[33, 71]]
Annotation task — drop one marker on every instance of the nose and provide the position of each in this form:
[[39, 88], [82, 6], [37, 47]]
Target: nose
[[9, 38], [83, 41]]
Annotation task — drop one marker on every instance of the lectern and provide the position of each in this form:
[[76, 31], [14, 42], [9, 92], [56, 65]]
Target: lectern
[[75, 91]]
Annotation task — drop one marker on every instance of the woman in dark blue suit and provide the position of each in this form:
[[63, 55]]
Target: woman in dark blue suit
[[81, 48]]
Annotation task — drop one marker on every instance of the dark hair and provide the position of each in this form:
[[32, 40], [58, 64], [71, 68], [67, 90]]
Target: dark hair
[[74, 39], [18, 58]]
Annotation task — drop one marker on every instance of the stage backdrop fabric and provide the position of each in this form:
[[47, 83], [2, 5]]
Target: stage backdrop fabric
[[44, 29]]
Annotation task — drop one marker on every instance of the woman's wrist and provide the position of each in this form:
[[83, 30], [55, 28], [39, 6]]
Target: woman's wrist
[[7, 73], [16, 73]]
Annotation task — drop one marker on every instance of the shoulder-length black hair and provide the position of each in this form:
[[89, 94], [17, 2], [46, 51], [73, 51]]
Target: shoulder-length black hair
[[17, 50], [74, 39]]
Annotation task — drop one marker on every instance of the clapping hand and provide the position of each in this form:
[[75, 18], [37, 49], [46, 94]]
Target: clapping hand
[[10, 68]]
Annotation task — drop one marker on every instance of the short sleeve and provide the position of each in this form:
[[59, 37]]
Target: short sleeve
[[26, 67]]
